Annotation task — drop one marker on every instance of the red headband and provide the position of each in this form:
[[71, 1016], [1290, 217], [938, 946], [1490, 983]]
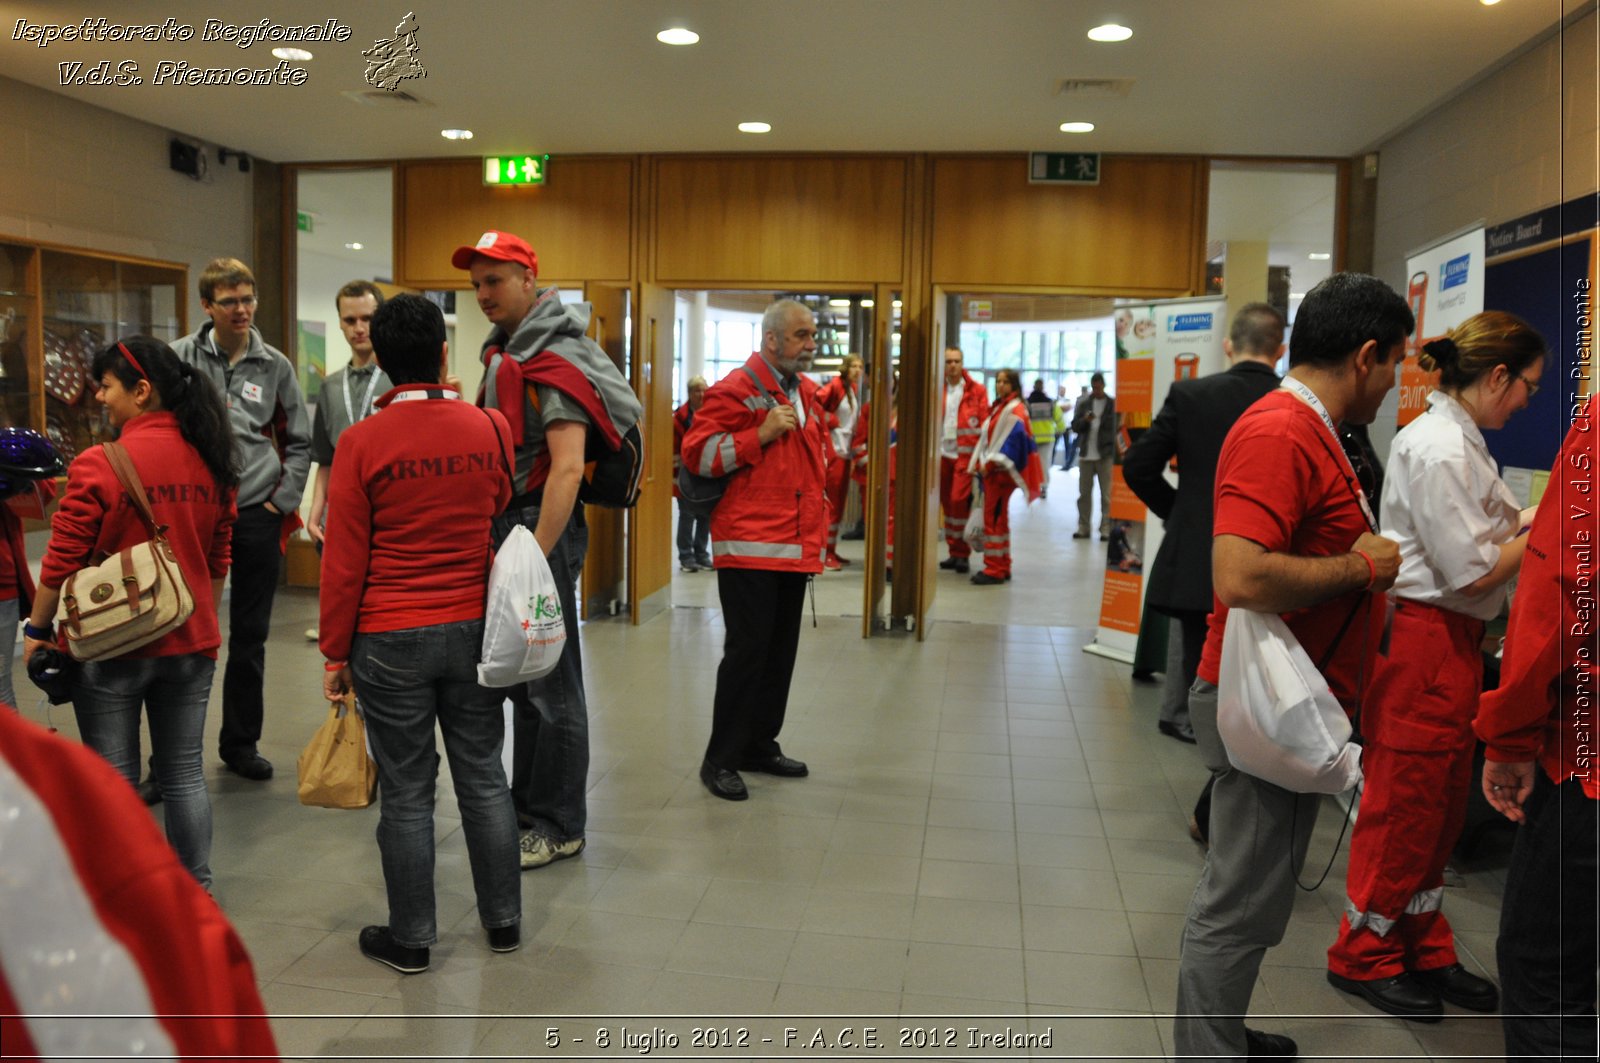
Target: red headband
[[132, 361]]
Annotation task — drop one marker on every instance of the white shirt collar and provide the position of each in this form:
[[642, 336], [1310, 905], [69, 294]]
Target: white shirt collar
[[1449, 407]]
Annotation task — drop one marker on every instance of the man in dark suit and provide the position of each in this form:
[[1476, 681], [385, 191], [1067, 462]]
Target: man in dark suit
[[1191, 426]]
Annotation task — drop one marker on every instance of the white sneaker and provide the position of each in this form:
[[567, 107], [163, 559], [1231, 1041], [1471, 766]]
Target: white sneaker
[[537, 850], [312, 635]]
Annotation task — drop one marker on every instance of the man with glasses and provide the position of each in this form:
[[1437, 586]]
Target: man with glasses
[[269, 425]]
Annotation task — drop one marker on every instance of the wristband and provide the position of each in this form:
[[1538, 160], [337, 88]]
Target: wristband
[[46, 632], [1372, 569], [334, 666]]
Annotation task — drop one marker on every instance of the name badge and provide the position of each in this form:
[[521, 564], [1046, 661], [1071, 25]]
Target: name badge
[[252, 392]]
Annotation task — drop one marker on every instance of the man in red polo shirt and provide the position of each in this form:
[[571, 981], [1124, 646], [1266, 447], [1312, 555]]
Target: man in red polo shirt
[[1293, 535]]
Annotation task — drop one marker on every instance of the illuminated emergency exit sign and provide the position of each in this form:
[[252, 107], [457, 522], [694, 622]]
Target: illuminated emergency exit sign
[[1064, 168], [515, 169]]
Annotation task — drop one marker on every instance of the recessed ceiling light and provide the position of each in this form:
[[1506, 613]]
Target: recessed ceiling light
[[1319, 256], [456, 134], [897, 304], [840, 303], [868, 303], [356, 246], [298, 55], [678, 35], [1110, 33], [1488, 3], [1077, 127], [754, 127]]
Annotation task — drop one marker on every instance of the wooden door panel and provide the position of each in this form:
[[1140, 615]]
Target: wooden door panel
[[650, 522]]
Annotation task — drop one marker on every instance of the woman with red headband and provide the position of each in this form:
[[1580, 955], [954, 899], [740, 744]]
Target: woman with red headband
[[1458, 526], [174, 427]]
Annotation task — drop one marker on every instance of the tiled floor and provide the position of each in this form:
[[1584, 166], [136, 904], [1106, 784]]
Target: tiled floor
[[992, 827]]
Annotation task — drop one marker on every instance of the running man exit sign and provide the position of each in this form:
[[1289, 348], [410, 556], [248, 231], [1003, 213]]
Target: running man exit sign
[[1064, 168], [515, 169]]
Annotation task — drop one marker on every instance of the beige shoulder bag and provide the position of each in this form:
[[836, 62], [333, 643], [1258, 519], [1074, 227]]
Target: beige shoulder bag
[[132, 597]]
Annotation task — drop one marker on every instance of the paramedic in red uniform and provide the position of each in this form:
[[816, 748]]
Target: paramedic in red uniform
[[1457, 524], [405, 569], [769, 533], [1294, 535], [841, 398], [1537, 727], [966, 404], [1006, 457]]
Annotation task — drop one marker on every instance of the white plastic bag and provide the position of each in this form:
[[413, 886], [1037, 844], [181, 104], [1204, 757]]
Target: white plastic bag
[[973, 532], [523, 629], [1275, 713]]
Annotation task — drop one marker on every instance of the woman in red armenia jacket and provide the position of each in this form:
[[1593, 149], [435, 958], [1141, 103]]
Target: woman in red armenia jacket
[[174, 426]]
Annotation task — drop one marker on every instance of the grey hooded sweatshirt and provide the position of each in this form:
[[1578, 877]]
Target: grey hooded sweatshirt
[[265, 408]]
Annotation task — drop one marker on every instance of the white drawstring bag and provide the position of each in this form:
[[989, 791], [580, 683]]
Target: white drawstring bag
[[973, 531], [523, 629], [1275, 713]]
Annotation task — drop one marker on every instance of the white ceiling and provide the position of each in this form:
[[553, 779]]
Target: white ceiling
[[1279, 77]]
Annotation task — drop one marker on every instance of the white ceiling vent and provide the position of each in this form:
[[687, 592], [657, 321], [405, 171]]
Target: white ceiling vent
[[1094, 88], [386, 99]]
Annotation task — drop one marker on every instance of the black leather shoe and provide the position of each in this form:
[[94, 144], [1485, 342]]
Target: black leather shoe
[[252, 766], [1402, 995], [149, 791], [983, 579], [777, 764], [949, 563], [1270, 1045], [377, 944], [961, 567], [722, 782], [1460, 987], [1080, 535], [505, 938], [1181, 731]]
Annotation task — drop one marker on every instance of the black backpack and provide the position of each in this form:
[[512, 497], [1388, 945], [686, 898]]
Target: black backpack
[[705, 492], [612, 478]]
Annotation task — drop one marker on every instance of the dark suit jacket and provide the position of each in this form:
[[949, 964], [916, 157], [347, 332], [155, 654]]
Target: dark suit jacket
[[1192, 424]]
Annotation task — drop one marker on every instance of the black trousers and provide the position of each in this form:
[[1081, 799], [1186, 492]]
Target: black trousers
[[761, 611], [1546, 949], [257, 559]]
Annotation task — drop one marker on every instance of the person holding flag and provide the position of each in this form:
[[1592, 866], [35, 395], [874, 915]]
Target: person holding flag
[[1006, 458]]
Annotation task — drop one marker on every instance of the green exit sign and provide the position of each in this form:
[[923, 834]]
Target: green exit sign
[[1064, 168], [515, 169]]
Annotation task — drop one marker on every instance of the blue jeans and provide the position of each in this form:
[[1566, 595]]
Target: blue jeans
[[174, 690], [694, 534], [407, 680], [550, 751], [10, 617]]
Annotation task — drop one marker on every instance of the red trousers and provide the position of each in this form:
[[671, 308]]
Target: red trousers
[[836, 485], [997, 488], [1417, 761], [955, 512]]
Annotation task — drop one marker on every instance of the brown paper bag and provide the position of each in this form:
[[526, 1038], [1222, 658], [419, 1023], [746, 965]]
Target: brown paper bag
[[335, 771]]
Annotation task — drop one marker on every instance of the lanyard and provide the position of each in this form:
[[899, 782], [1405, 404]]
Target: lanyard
[[366, 400], [1309, 397], [421, 393]]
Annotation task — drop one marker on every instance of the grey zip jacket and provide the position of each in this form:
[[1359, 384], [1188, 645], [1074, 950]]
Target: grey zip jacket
[[267, 412]]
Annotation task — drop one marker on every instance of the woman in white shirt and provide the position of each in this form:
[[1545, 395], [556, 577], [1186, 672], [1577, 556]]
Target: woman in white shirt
[[1459, 530]]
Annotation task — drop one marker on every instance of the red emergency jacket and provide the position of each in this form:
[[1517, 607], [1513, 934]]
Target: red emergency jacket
[[969, 418], [773, 514]]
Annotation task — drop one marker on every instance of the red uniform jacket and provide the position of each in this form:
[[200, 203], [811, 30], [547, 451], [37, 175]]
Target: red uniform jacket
[[134, 936], [1545, 704], [409, 506], [969, 420], [96, 519], [773, 514]]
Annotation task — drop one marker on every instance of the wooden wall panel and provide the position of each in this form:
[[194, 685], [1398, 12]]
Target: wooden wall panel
[[780, 220], [1140, 231], [580, 224]]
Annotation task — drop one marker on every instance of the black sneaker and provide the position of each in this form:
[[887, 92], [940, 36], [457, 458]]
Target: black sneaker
[[1270, 1045], [252, 766], [377, 944], [505, 938]]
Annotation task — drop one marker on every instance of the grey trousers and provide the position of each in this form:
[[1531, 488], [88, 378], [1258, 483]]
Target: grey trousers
[[1097, 471], [1259, 835]]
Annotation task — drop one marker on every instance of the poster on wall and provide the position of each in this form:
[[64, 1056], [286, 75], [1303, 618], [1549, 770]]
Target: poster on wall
[[1445, 287], [1157, 342], [312, 348]]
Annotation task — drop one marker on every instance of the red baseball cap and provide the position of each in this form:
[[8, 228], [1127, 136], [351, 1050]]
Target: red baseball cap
[[507, 247]]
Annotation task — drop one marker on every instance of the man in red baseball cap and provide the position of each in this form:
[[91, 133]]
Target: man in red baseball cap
[[554, 385]]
